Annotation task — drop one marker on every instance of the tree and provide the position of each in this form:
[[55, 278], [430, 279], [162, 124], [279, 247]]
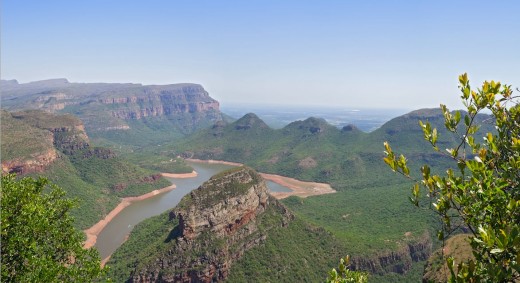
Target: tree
[[344, 275], [482, 190], [38, 241]]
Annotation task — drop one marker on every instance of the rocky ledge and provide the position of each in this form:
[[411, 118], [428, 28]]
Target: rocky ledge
[[218, 222]]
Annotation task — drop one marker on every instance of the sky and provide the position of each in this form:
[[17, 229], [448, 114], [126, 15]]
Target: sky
[[352, 54]]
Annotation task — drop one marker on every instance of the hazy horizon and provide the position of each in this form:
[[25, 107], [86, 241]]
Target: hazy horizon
[[370, 54]]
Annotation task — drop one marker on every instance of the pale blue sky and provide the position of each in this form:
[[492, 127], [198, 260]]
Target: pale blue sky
[[390, 54]]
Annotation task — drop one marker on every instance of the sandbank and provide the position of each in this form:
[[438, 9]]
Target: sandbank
[[94, 231], [299, 188], [211, 161], [193, 174]]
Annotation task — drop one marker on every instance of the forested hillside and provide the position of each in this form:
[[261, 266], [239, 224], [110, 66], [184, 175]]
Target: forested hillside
[[57, 147]]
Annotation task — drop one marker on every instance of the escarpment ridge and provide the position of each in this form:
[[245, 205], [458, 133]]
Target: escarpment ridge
[[121, 113]]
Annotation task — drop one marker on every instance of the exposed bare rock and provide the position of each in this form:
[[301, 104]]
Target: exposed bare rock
[[307, 163], [36, 163], [397, 261], [218, 222]]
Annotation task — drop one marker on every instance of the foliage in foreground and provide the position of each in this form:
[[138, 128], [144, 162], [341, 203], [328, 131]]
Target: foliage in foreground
[[39, 242], [344, 275], [482, 194]]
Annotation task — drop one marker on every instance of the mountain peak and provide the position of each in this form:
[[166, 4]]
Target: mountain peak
[[350, 128], [248, 121], [424, 113], [312, 124]]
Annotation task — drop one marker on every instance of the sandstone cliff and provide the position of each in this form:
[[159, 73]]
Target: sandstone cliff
[[105, 107], [217, 223], [160, 101]]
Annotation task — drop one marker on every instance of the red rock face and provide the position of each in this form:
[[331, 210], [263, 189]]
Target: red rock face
[[37, 164], [220, 222]]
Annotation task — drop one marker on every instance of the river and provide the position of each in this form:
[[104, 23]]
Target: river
[[115, 232]]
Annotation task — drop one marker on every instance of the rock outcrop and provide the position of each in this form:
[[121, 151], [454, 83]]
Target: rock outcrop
[[35, 163], [397, 261], [218, 222]]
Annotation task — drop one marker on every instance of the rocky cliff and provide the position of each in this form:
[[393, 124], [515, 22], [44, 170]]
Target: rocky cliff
[[160, 101], [217, 223], [397, 261], [105, 107]]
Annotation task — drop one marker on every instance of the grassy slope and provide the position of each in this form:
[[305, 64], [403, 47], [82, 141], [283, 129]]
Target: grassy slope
[[13, 131], [158, 161], [91, 181]]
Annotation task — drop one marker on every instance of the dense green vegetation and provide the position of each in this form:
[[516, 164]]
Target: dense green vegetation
[[147, 239], [150, 158], [300, 251], [95, 176], [376, 224], [162, 129], [314, 150], [369, 214], [39, 242], [99, 184], [481, 190]]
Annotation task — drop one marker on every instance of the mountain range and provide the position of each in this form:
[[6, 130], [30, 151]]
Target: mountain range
[[101, 142]]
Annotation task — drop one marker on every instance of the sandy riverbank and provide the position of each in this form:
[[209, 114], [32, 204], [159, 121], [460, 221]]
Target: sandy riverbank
[[299, 188], [94, 231], [211, 161], [193, 174]]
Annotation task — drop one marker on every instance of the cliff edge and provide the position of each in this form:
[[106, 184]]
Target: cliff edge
[[217, 224]]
